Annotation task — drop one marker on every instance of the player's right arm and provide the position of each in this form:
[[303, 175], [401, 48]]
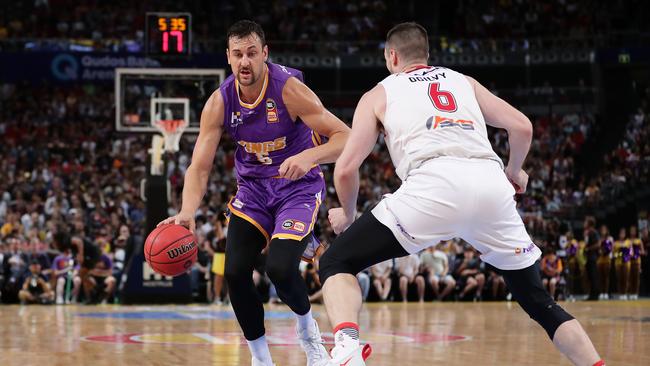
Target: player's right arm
[[365, 130], [498, 113], [197, 174]]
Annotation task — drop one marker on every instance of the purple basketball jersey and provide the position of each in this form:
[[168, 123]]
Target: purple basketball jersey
[[264, 132]]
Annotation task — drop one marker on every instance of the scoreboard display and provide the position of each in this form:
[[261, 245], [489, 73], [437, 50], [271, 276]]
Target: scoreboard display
[[168, 34]]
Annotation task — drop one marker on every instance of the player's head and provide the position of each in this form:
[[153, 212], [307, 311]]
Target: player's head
[[247, 51], [406, 44]]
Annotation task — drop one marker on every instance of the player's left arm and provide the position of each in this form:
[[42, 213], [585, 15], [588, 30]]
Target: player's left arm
[[365, 130], [302, 102]]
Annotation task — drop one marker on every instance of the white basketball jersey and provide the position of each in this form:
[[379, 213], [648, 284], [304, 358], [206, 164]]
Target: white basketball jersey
[[433, 112]]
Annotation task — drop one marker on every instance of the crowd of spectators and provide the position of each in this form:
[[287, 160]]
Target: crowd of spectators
[[67, 172], [325, 26]]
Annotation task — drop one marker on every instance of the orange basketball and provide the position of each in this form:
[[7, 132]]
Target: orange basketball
[[170, 249]]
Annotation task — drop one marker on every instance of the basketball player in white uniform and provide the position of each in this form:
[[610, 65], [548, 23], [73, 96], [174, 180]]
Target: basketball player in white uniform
[[454, 185]]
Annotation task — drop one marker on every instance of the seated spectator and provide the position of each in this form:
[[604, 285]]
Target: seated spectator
[[102, 280], [87, 255], [469, 276], [434, 264], [408, 268], [551, 270], [496, 283], [364, 283], [218, 249], [62, 267], [35, 289], [15, 268], [380, 275], [314, 287]]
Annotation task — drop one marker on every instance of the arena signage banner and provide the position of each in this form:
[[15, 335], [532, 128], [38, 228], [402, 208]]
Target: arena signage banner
[[72, 67]]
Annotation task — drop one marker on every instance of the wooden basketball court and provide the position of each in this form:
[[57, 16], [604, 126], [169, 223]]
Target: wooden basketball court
[[410, 334]]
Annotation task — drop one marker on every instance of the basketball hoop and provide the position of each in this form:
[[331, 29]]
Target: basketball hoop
[[171, 129]]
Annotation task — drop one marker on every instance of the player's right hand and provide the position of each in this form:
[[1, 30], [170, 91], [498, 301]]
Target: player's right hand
[[339, 220], [182, 218], [519, 179]]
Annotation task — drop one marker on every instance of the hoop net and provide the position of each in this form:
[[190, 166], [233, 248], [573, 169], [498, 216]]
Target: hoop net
[[172, 130]]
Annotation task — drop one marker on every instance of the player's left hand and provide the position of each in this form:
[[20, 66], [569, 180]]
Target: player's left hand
[[339, 220], [295, 167]]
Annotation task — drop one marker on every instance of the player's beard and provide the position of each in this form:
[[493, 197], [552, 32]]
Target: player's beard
[[251, 79]]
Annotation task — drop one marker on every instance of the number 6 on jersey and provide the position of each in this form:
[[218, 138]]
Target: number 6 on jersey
[[443, 100]]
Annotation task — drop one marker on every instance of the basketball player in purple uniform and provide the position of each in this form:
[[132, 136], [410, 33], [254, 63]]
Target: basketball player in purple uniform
[[276, 122]]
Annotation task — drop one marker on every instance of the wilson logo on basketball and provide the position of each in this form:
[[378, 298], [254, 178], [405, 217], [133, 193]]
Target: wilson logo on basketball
[[176, 252]]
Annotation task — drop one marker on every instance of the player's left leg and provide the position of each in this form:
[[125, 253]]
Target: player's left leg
[[497, 231], [291, 241], [563, 329]]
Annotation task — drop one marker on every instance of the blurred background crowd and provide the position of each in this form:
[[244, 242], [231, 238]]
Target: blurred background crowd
[[71, 184]]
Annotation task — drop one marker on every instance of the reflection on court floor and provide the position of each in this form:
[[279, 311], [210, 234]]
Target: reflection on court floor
[[404, 334]]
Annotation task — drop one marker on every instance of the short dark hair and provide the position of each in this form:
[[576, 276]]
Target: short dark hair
[[410, 40], [245, 28]]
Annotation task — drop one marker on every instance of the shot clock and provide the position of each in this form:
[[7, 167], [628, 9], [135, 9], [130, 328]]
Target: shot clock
[[169, 34]]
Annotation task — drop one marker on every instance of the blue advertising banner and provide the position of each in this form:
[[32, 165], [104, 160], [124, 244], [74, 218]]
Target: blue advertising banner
[[65, 67]]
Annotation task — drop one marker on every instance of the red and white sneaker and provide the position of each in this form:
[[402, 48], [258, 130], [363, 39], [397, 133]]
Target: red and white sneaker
[[350, 357]]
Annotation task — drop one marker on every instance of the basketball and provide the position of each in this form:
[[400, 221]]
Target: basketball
[[170, 249]]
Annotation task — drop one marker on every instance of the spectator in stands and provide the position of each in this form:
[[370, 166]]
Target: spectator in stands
[[434, 264], [408, 271], [314, 287], [364, 284], [496, 283], [592, 242], [122, 244], [575, 277], [200, 271], [469, 276], [102, 280], [645, 257], [622, 255], [605, 261], [87, 255], [551, 270], [638, 250], [218, 262], [62, 267], [380, 274], [15, 268], [35, 288]]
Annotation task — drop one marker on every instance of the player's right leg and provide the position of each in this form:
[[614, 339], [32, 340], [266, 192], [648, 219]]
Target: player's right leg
[[365, 243], [243, 243]]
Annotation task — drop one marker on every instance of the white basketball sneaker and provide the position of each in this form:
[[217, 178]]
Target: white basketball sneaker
[[350, 357], [257, 362], [312, 344]]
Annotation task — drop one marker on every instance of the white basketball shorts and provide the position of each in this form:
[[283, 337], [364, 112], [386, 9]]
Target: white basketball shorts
[[471, 199]]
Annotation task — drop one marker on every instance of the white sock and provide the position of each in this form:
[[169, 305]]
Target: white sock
[[306, 321], [260, 349]]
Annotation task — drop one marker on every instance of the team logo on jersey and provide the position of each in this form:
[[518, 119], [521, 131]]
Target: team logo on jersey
[[271, 111], [442, 122], [236, 119]]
